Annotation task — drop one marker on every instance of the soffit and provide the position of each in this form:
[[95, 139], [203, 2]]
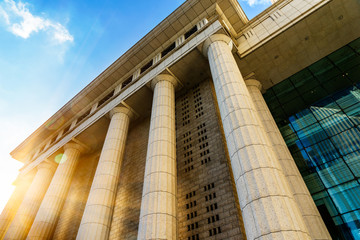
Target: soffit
[[176, 24], [314, 37]]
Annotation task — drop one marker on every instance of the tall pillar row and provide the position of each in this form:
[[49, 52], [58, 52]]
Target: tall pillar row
[[46, 218], [309, 211], [96, 221], [267, 204], [158, 206], [13, 204], [26, 213]]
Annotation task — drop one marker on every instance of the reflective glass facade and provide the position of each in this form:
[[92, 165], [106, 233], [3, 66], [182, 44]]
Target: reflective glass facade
[[318, 113]]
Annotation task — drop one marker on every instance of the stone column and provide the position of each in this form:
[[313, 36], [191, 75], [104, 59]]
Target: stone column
[[96, 221], [311, 215], [13, 204], [158, 205], [49, 212], [268, 207], [26, 213]]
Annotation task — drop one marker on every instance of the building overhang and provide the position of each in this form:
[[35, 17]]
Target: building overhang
[[158, 39]]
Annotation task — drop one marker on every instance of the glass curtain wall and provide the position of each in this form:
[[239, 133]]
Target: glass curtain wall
[[318, 113]]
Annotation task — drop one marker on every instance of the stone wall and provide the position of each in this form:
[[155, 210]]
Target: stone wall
[[128, 198], [207, 206]]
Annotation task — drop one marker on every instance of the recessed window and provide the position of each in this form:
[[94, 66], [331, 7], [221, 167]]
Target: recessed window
[[190, 32], [168, 49], [146, 67], [126, 82]]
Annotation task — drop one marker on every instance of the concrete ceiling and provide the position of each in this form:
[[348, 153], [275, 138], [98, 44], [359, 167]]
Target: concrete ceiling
[[316, 36]]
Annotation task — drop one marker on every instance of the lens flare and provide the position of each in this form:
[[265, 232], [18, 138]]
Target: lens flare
[[60, 158]]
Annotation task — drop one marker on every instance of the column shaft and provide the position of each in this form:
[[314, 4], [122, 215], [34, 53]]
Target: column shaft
[[96, 221], [13, 204], [49, 212], [26, 213], [268, 207], [158, 205], [311, 215]]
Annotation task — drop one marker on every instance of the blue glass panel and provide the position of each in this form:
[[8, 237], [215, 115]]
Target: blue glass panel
[[334, 173], [353, 160], [322, 152], [320, 122], [336, 124], [346, 196], [348, 141], [353, 224], [302, 119], [311, 135]]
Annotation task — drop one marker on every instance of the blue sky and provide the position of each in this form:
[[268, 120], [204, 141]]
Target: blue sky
[[50, 50]]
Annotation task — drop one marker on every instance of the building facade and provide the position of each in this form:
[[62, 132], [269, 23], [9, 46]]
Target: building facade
[[210, 127]]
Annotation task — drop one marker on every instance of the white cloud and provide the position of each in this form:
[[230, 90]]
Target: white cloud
[[256, 2], [21, 22]]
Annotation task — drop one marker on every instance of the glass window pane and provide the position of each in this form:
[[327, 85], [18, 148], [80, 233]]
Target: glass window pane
[[315, 95], [353, 160], [353, 74], [293, 106], [341, 55], [322, 68], [322, 198], [302, 119], [348, 141], [322, 152], [346, 196], [334, 173], [336, 124], [352, 223], [336, 83], [347, 97], [313, 183], [355, 45], [311, 135]]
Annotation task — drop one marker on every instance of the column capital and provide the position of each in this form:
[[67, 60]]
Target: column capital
[[164, 77], [72, 145], [253, 82], [48, 165], [216, 38], [123, 110]]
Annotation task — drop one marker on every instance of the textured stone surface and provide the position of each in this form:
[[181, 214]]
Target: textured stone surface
[[158, 205], [96, 221], [125, 221], [51, 206], [71, 214], [265, 198], [13, 204], [204, 179], [311, 215], [26, 213]]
